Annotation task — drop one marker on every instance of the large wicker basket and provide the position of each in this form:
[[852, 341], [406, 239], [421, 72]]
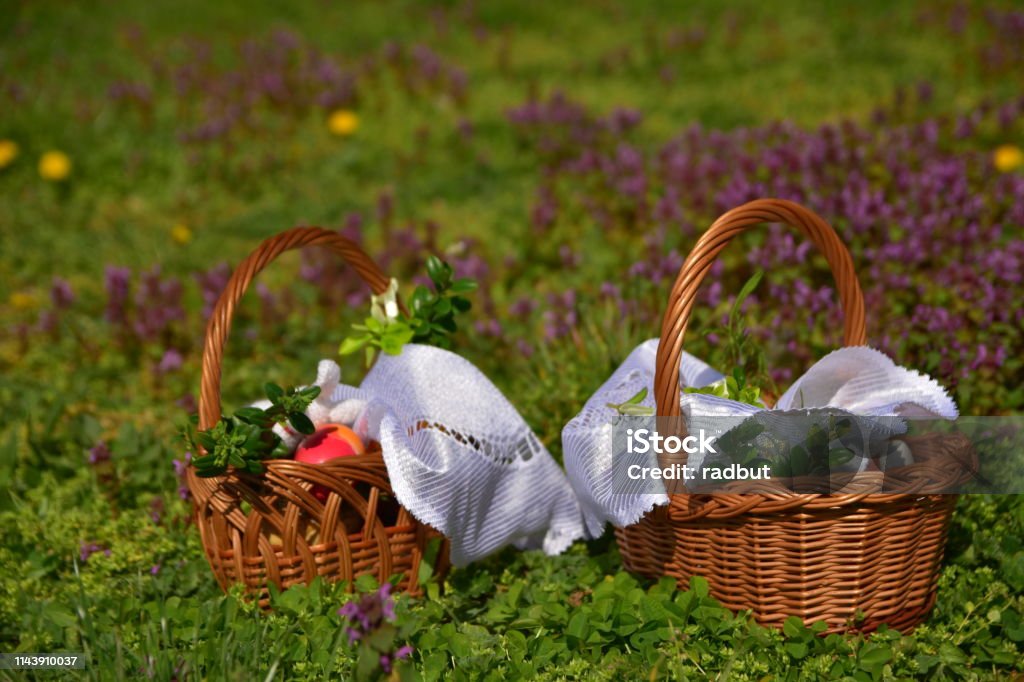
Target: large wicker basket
[[853, 560], [271, 528]]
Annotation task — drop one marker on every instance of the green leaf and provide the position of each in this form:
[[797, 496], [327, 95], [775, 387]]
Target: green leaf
[[793, 627], [395, 338], [438, 271], [280, 450], [57, 615], [444, 324], [253, 436], [206, 439], [443, 306], [463, 286], [420, 299], [874, 656], [273, 391], [578, 626], [638, 398], [796, 649], [352, 344], [251, 415], [745, 291], [950, 654], [204, 462], [799, 460], [838, 457], [301, 423]]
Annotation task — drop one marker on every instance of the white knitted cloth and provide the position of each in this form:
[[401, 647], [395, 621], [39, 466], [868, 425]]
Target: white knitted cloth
[[857, 380], [459, 455]]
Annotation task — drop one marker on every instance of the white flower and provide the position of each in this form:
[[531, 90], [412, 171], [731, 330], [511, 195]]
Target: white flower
[[384, 307]]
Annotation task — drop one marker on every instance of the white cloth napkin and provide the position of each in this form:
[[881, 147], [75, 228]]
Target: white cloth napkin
[[459, 455], [856, 380]]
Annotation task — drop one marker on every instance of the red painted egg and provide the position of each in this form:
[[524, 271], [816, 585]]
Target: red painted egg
[[328, 442]]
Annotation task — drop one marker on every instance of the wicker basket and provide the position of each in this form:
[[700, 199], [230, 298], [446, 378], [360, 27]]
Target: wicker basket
[[270, 528], [853, 560]]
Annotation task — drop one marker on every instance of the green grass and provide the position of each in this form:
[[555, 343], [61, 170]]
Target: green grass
[[132, 182]]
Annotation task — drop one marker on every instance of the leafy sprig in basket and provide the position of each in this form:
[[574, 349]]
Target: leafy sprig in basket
[[430, 320]]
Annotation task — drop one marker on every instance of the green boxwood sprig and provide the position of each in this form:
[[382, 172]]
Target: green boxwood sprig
[[246, 438], [431, 319]]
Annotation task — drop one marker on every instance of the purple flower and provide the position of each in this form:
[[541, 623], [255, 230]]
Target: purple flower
[[622, 120], [180, 468], [524, 348], [187, 402], [155, 569], [570, 258], [156, 510], [87, 549], [365, 615], [387, 661], [158, 304], [180, 465], [129, 91], [470, 265], [385, 207], [170, 362], [545, 209], [211, 283], [118, 283], [488, 327], [522, 307], [48, 321], [99, 453], [61, 293]]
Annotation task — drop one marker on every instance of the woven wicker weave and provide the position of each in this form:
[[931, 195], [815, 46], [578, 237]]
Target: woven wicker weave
[[270, 528], [817, 556]]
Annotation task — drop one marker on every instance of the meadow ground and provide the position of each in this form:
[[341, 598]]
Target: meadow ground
[[566, 156]]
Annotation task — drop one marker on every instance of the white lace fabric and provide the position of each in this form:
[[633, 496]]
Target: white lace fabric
[[459, 455], [855, 380]]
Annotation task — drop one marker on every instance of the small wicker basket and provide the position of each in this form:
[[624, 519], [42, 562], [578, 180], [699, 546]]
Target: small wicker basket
[[270, 528], [853, 560]]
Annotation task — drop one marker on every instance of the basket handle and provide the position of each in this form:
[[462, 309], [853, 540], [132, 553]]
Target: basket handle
[[219, 325], [697, 264]]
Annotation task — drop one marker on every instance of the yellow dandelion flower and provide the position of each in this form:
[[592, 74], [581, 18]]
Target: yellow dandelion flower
[[343, 122], [181, 234], [1007, 157], [21, 300], [54, 166], [8, 152]]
